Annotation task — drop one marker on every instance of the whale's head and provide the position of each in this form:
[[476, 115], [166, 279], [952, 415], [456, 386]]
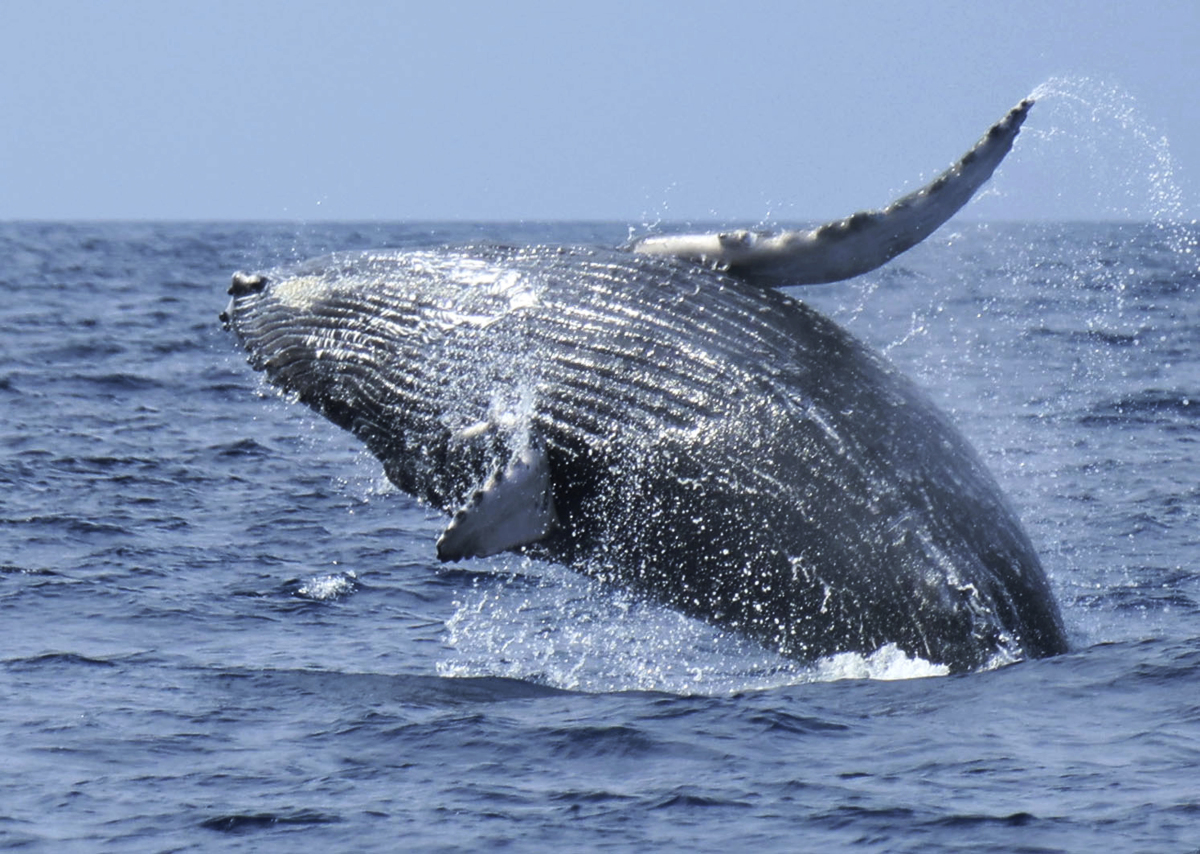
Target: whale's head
[[403, 349]]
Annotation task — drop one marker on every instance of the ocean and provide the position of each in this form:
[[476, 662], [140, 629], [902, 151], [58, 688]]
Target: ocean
[[224, 630]]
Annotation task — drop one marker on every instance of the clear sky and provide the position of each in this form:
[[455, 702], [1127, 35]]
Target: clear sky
[[736, 111]]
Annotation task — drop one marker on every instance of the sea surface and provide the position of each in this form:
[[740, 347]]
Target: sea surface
[[222, 629]]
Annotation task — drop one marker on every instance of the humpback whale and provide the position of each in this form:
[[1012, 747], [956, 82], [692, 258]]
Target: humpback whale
[[662, 417]]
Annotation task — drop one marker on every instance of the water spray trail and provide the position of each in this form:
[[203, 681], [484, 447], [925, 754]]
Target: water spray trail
[[1124, 153]]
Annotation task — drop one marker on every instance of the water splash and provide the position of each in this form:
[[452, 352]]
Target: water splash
[[655, 215], [1097, 128], [321, 588], [1092, 133], [545, 624]]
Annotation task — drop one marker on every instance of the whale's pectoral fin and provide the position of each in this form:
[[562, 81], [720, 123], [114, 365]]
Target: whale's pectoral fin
[[854, 245], [514, 508]]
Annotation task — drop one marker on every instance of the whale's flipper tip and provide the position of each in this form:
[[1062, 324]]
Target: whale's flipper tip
[[855, 244], [1011, 123]]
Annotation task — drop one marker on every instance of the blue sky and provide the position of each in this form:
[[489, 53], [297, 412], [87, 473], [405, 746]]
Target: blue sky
[[729, 111]]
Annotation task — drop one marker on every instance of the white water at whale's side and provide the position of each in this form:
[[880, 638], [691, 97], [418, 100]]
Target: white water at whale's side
[[553, 626]]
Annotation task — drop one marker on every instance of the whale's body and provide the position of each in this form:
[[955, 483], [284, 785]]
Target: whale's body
[[671, 427]]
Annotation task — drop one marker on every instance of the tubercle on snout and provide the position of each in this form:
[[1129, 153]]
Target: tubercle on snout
[[246, 283], [242, 284]]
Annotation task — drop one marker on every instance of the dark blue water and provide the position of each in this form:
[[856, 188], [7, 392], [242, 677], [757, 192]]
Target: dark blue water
[[223, 630]]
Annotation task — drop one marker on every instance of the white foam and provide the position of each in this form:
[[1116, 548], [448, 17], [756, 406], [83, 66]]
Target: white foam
[[887, 663]]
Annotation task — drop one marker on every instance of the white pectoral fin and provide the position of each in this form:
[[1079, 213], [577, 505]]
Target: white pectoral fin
[[514, 508], [854, 245]]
